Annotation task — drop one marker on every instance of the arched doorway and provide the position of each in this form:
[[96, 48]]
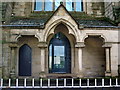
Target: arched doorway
[[25, 53], [59, 54]]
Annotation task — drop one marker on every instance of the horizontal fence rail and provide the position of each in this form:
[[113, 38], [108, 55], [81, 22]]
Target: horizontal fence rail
[[59, 83]]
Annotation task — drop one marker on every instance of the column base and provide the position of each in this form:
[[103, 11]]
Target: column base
[[42, 75], [80, 74], [107, 73], [12, 74]]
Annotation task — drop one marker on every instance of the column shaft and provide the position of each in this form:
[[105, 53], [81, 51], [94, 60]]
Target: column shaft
[[79, 46], [80, 59], [107, 60], [12, 59], [42, 59]]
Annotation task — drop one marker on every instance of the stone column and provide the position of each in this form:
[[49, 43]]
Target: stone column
[[1, 58], [42, 46], [107, 53], [107, 59], [79, 47], [12, 63], [42, 59]]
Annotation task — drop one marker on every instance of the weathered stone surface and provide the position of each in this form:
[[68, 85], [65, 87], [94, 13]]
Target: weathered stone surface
[[93, 54], [93, 57]]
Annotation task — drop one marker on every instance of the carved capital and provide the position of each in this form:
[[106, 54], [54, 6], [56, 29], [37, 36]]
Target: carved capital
[[13, 45], [80, 45], [107, 45], [42, 45]]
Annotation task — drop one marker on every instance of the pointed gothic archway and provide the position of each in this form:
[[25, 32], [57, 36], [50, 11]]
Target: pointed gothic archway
[[59, 54]]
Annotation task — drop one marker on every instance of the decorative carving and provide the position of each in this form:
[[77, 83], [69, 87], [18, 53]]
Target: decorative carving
[[37, 36], [16, 39], [13, 45]]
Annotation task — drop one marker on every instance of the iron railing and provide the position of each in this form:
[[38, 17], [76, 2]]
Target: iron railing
[[59, 83]]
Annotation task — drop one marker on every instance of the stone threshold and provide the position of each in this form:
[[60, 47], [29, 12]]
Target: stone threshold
[[60, 75]]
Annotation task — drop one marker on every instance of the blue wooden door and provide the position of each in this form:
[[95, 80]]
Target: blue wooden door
[[25, 60], [59, 54]]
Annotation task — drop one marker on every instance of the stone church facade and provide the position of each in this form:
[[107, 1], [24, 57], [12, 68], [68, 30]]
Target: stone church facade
[[59, 43]]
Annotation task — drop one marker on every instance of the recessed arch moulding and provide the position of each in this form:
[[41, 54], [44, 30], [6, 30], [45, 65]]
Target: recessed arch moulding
[[50, 29], [15, 38], [101, 36], [18, 33]]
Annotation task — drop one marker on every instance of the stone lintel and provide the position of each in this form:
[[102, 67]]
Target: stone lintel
[[107, 45], [42, 45], [80, 45], [13, 45]]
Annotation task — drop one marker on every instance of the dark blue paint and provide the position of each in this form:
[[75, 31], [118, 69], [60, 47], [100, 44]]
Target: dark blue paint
[[25, 54], [62, 40]]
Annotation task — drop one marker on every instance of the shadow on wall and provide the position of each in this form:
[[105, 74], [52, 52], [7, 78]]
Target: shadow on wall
[[94, 57]]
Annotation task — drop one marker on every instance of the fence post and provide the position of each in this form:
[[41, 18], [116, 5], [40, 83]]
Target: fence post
[[87, 82], [116, 82], [110, 81], [17, 82], [95, 82], [102, 82], [1, 83], [72, 82], [64, 82], [57, 82], [41, 82], [48, 82], [25, 82], [33, 82], [80, 82], [9, 82]]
